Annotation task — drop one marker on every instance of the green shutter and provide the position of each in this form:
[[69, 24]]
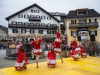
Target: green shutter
[[95, 32]]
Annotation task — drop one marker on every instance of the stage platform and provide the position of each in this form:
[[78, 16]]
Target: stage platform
[[84, 66]]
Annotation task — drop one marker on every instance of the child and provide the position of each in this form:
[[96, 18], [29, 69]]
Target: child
[[83, 53], [51, 58], [22, 60]]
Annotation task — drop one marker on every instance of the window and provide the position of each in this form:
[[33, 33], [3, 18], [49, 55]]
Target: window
[[92, 20], [62, 32], [34, 11], [48, 18], [14, 22], [53, 32], [74, 33], [14, 31], [49, 24], [23, 31], [73, 21], [82, 21], [20, 23], [26, 16], [31, 16], [43, 17], [26, 23], [93, 32], [31, 23], [40, 31], [20, 16], [31, 31], [37, 24], [48, 32], [43, 24], [37, 16]]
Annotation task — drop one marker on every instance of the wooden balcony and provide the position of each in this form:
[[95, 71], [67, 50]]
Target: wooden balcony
[[79, 25], [34, 26]]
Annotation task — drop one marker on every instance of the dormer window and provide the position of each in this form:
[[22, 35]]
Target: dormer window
[[82, 11], [57, 13], [34, 11]]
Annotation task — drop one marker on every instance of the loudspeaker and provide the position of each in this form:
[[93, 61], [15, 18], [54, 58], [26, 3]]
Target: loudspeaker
[[79, 38], [92, 38]]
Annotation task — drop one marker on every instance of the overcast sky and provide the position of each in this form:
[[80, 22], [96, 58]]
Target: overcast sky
[[8, 7]]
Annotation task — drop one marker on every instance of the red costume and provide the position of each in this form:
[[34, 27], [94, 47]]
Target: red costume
[[75, 44], [83, 53], [74, 54], [57, 43], [21, 60], [37, 47], [51, 59]]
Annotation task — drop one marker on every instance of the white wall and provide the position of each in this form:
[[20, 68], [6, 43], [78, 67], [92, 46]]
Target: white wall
[[58, 17], [16, 18]]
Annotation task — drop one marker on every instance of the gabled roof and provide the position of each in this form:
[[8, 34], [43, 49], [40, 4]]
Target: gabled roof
[[91, 13], [7, 18], [4, 28], [59, 14]]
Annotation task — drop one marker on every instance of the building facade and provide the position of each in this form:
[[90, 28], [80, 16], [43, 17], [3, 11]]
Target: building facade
[[34, 20], [83, 24], [3, 33]]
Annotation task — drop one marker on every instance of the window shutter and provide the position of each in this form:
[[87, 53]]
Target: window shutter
[[95, 20], [95, 32], [71, 33], [76, 33], [75, 21], [89, 20], [89, 33]]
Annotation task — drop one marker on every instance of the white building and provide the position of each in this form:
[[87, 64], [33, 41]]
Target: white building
[[3, 32], [34, 19]]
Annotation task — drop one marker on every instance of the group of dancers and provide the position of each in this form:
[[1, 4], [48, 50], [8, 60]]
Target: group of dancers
[[77, 51], [55, 48]]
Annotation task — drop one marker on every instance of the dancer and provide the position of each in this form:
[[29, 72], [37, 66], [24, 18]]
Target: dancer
[[19, 44], [37, 48], [22, 60], [57, 43], [51, 58], [83, 53], [73, 53], [75, 43]]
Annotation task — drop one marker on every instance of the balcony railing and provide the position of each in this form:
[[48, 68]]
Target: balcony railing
[[78, 25], [34, 26]]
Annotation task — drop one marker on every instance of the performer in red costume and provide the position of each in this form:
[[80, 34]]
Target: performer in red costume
[[22, 60], [75, 43], [37, 48], [51, 58], [57, 43], [83, 53], [73, 53]]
